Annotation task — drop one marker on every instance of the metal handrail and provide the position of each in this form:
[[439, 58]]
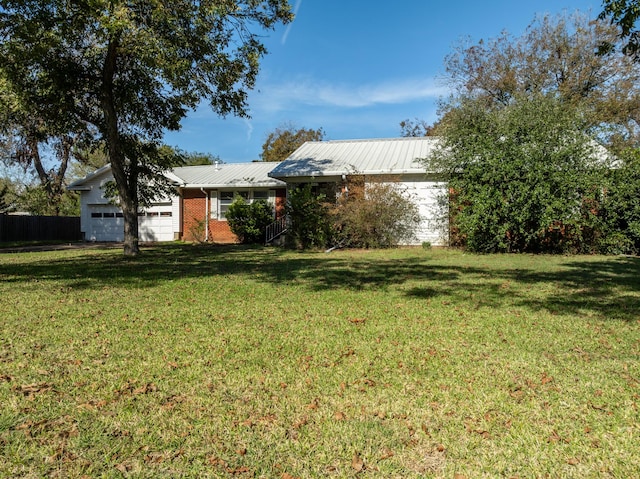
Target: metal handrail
[[277, 228]]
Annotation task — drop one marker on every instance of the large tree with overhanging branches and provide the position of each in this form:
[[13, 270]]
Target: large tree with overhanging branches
[[122, 73]]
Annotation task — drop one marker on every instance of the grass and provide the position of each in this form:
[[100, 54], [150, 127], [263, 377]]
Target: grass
[[196, 361]]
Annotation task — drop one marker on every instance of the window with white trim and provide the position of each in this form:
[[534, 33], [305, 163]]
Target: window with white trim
[[225, 198]]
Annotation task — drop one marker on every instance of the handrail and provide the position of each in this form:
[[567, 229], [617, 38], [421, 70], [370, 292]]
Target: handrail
[[277, 228]]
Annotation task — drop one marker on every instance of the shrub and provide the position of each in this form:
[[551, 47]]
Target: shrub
[[523, 177], [308, 213], [249, 220], [375, 215]]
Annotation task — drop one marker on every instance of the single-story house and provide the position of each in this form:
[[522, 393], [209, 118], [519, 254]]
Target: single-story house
[[197, 211], [328, 165]]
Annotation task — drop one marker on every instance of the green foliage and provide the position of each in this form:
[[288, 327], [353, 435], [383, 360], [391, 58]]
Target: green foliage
[[556, 56], [286, 139], [310, 225], [35, 200], [8, 196], [376, 215], [625, 14], [249, 220], [522, 177], [125, 72], [198, 231], [621, 210]]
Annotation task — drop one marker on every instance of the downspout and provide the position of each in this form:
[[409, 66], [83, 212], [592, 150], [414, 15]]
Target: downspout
[[206, 215]]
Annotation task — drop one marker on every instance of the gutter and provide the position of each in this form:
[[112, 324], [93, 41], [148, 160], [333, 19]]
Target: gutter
[[206, 215]]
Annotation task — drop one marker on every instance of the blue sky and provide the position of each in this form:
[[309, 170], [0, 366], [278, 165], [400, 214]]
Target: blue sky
[[357, 68]]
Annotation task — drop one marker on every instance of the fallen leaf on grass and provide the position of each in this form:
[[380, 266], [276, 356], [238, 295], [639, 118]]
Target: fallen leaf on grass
[[386, 454], [93, 404], [302, 422], [555, 437], [357, 320], [288, 476], [145, 388], [238, 470], [124, 467], [545, 379], [31, 389], [573, 461], [339, 416], [357, 463]]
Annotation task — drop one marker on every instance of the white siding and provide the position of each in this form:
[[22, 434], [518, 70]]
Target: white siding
[[102, 221], [427, 194]]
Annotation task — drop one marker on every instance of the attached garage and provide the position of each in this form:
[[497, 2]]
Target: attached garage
[[102, 221]]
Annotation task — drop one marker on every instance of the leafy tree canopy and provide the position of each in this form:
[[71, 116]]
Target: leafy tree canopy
[[523, 177], [555, 56], [124, 72], [285, 139], [623, 13]]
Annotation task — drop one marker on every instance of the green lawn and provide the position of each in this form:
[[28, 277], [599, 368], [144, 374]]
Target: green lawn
[[195, 361]]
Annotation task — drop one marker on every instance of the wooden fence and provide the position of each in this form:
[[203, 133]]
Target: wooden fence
[[39, 228]]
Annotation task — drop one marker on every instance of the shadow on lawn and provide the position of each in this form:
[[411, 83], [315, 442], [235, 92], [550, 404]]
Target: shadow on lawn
[[609, 287]]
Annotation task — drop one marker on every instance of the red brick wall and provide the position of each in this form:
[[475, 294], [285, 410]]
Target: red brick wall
[[194, 213], [281, 201]]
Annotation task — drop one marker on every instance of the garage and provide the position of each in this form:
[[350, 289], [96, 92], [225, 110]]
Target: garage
[[106, 223], [101, 220]]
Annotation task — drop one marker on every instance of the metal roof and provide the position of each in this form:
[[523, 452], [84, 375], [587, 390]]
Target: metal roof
[[371, 156], [232, 175], [226, 175], [80, 185]]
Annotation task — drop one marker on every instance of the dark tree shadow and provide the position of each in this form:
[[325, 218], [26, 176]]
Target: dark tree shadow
[[609, 288]]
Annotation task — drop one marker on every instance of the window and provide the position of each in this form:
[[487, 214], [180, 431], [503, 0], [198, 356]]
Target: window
[[225, 198], [261, 195], [96, 215]]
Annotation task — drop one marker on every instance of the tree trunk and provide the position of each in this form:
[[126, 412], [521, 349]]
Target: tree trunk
[[125, 176]]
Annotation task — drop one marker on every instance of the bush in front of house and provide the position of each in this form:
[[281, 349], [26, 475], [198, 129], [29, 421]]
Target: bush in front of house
[[377, 214], [523, 177], [248, 220], [620, 212], [310, 226]]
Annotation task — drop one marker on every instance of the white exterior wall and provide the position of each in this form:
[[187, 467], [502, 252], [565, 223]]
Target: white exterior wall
[[161, 222], [427, 194]]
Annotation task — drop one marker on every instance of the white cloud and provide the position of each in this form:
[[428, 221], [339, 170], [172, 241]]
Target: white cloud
[[249, 126], [308, 92]]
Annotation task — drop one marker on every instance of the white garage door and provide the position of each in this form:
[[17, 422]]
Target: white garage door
[[107, 224], [156, 225], [427, 194]]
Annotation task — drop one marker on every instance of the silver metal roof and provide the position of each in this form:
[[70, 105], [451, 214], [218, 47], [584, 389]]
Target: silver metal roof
[[226, 175], [372, 156]]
